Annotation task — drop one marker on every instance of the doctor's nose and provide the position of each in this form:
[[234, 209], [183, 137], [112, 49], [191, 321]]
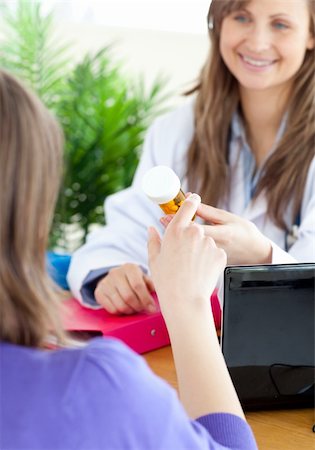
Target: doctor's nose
[[258, 39]]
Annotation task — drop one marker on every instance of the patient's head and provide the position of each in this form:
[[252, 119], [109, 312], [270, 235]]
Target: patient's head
[[30, 166]]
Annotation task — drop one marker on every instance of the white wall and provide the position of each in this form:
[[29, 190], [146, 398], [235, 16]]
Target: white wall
[[151, 37], [179, 56]]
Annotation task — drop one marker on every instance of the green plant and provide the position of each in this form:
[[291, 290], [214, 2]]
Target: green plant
[[32, 51], [103, 112]]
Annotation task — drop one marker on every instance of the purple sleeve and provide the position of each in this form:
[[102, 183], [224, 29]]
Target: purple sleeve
[[229, 430], [124, 405]]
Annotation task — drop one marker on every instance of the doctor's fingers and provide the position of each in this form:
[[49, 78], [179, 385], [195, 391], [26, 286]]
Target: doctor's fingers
[[165, 220], [142, 286], [215, 215], [222, 235], [114, 304], [133, 286], [111, 300], [127, 298], [149, 283], [116, 295], [118, 299]]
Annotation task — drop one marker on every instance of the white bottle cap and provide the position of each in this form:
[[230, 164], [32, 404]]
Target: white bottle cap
[[161, 184]]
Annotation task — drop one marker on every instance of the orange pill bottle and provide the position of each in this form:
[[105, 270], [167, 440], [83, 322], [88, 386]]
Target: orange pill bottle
[[162, 186]]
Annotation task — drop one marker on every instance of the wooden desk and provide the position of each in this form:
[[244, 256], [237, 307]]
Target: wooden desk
[[274, 430]]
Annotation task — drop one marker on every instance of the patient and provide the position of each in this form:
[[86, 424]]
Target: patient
[[101, 395]]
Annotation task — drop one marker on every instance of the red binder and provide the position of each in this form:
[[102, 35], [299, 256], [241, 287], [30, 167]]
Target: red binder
[[142, 332]]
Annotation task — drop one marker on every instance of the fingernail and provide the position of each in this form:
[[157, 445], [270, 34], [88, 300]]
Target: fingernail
[[165, 220], [194, 198]]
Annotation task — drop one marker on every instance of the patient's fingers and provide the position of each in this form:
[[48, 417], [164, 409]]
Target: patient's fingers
[[186, 212]]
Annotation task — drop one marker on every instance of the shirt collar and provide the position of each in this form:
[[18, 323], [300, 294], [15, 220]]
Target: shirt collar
[[238, 129]]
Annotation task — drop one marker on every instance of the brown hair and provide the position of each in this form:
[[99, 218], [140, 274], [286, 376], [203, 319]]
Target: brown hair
[[30, 166], [285, 173]]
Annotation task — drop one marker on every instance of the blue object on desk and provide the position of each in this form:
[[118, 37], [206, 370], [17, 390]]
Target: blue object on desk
[[57, 266]]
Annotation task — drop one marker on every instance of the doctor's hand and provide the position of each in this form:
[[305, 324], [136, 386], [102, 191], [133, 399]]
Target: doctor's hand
[[125, 290], [185, 264], [240, 238]]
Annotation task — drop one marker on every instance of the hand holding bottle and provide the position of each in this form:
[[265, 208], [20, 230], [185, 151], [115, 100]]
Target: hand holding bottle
[[186, 262]]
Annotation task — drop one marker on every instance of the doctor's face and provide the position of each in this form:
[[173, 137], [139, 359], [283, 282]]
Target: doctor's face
[[264, 43]]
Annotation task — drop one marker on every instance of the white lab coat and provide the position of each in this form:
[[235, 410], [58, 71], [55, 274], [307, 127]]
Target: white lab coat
[[130, 212]]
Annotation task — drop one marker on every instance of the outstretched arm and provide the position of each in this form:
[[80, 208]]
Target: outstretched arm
[[185, 266]]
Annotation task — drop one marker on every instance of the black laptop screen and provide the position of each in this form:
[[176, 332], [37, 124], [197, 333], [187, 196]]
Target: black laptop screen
[[268, 334]]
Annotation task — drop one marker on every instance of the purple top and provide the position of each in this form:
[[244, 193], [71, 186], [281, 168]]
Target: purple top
[[102, 396]]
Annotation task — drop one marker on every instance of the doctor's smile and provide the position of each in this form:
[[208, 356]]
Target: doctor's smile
[[265, 38], [256, 64]]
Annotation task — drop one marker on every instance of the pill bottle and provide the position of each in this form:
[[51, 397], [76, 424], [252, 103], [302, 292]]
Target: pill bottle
[[162, 186]]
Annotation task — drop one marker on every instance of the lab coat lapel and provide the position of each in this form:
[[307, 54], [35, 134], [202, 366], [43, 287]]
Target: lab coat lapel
[[237, 203], [256, 208]]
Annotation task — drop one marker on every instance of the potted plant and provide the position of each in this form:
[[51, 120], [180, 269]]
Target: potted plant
[[103, 113]]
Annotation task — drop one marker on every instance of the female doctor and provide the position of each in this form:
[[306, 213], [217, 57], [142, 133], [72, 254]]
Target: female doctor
[[244, 142]]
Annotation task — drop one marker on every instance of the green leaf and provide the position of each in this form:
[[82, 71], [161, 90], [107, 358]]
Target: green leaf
[[104, 114]]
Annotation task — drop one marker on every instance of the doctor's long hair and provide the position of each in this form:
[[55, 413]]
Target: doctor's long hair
[[217, 98], [30, 168]]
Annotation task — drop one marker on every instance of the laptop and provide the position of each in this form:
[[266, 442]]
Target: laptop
[[268, 334]]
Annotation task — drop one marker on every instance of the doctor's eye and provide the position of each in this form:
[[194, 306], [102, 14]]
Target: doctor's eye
[[241, 18], [280, 26]]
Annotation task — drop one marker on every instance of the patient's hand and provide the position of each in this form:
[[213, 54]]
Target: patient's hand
[[185, 264]]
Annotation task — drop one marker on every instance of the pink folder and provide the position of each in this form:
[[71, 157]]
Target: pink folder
[[142, 332]]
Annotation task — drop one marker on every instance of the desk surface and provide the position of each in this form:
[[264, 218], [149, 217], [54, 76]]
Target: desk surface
[[274, 430]]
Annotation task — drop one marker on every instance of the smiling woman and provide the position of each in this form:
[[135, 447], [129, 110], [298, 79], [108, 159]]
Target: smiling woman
[[245, 143], [266, 73], [264, 43]]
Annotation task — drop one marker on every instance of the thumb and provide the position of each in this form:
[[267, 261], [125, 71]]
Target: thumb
[[154, 244]]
